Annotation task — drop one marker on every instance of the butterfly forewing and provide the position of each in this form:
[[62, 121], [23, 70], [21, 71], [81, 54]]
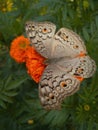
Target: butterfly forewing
[[40, 35], [68, 44]]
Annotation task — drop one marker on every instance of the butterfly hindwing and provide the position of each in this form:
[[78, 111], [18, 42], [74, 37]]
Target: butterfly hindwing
[[55, 86], [84, 66]]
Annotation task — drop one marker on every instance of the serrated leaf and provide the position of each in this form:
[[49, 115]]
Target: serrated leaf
[[2, 104], [10, 93], [56, 117], [1, 84], [92, 28], [96, 19], [8, 81], [16, 83], [91, 4], [5, 98], [25, 118], [85, 34], [19, 112]]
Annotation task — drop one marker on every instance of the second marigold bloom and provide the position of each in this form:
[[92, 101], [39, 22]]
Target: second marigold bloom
[[35, 64]]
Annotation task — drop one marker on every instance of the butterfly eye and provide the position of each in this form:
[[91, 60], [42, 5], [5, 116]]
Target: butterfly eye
[[63, 84], [51, 96], [80, 70], [55, 93], [84, 60], [44, 30], [33, 27], [66, 37], [47, 98], [75, 46], [29, 26]]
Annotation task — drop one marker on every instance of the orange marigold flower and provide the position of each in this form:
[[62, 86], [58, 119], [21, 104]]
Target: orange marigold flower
[[35, 64], [18, 49], [21, 51], [33, 54], [36, 75]]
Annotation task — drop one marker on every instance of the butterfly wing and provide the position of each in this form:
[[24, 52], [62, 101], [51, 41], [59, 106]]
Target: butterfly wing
[[84, 66], [55, 86], [67, 43], [62, 78], [40, 35]]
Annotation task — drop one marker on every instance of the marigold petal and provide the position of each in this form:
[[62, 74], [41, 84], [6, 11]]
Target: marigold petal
[[33, 54], [18, 49], [36, 75], [35, 64]]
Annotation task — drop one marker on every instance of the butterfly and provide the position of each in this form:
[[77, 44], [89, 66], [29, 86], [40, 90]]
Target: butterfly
[[67, 59]]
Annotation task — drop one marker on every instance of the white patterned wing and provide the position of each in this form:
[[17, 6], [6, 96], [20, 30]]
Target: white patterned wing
[[84, 66], [40, 35], [63, 50], [67, 43], [55, 86]]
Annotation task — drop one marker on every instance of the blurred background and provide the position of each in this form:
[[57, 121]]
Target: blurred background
[[20, 107]]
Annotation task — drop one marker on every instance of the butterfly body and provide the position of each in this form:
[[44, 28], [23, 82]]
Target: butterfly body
[[67, 62]]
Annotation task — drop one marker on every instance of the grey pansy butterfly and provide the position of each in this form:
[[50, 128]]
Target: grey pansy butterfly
[[68, 62]]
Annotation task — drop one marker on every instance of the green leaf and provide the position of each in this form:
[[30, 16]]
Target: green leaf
[[10, 93], [85, 34], [96, 19], [16, 83], [91, 4], [2, 104], [5, 98], [8, 81]]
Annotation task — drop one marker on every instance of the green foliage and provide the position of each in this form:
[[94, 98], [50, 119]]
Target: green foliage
[[20, 108]]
